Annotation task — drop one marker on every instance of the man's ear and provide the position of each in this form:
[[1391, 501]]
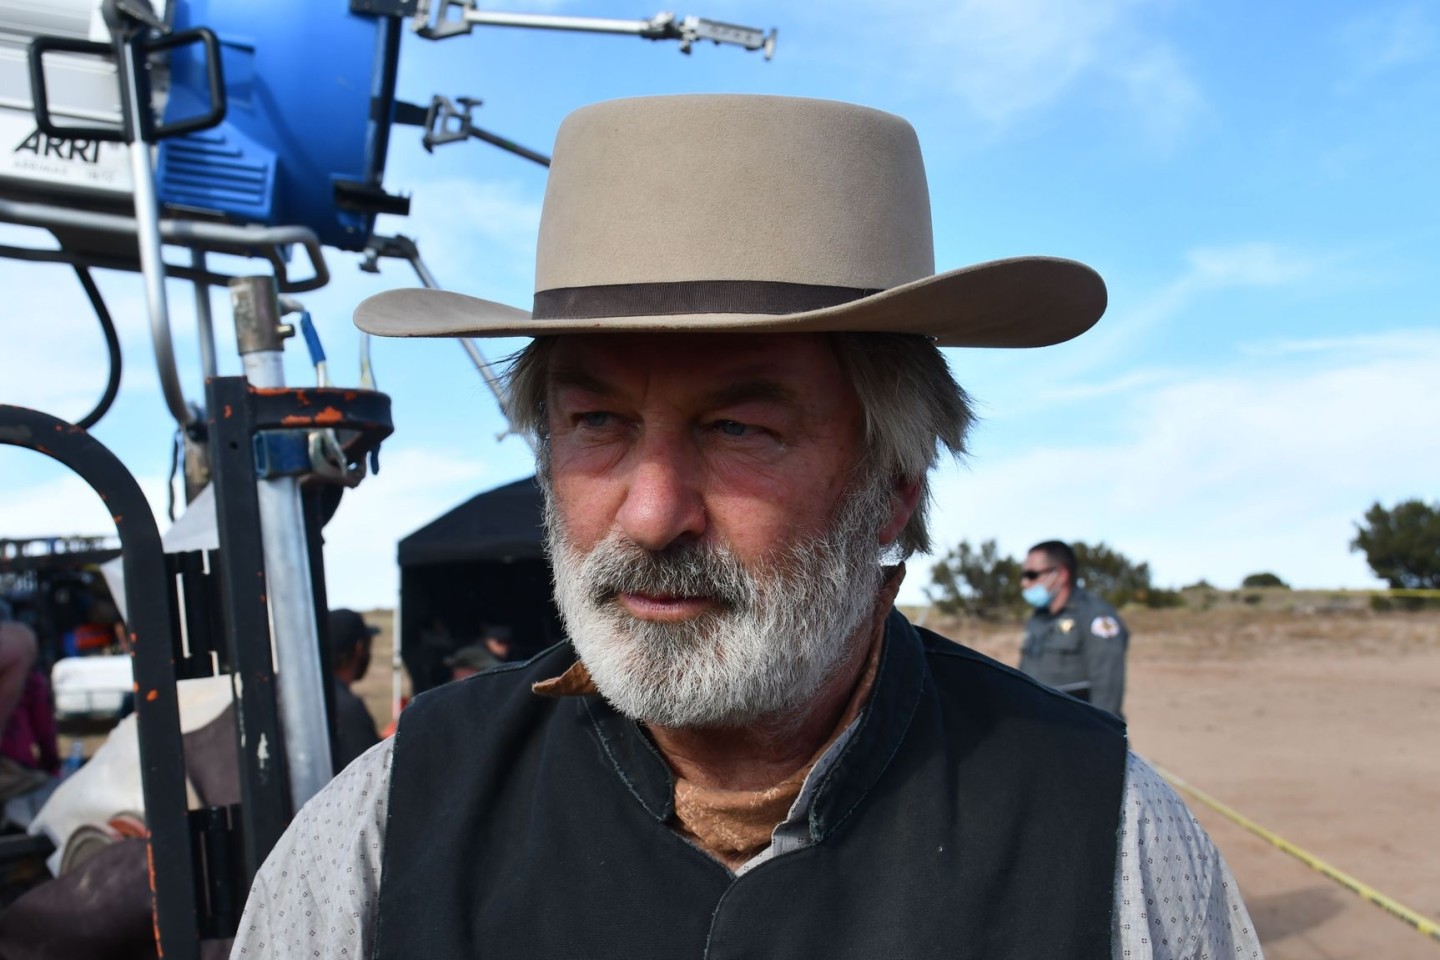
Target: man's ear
[[904, 498]]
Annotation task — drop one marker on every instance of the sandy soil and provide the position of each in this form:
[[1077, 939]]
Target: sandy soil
[[1316, 720], [1323, 729]]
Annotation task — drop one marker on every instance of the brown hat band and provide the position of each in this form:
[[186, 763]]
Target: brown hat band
[[690, 297]]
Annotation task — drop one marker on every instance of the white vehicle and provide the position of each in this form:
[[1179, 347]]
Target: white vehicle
[[91, 688]]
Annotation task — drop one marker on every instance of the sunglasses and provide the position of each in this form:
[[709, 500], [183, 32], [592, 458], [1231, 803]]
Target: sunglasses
[[1035, 574]]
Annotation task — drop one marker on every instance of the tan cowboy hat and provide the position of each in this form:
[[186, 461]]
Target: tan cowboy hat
[[749, 213]]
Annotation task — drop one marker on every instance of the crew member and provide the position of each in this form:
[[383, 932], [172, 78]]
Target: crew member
[[491, 650], [350, 641]]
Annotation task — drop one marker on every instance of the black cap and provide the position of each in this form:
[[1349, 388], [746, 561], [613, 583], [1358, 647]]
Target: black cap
[[347, 628]]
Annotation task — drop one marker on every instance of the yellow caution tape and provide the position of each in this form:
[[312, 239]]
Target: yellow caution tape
[[1425, 925], [1384, 592]]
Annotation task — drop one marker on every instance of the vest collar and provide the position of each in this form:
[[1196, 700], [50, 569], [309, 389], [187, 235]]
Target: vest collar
[[864, 756], [880, 730]]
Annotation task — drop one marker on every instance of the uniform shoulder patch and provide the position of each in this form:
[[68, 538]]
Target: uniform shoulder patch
[[1106, 627]]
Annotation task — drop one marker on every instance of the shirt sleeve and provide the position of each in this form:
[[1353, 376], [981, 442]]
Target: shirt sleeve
[[1105, 661], [317, 894], [1175, 898]]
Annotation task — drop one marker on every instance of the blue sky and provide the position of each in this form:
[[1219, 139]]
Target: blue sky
[[1256, 184]]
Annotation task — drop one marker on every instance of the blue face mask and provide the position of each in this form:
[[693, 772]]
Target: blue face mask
[[1037, 595]]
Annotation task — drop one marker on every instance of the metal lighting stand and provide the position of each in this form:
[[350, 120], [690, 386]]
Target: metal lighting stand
[[259, 336], [203, 861]]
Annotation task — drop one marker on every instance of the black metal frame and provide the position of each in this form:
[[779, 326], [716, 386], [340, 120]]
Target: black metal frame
[[236, 414], [154, 643]]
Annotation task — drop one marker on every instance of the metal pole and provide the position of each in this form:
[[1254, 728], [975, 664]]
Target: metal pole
[[397, 661], [204, 322], [287, 561], [538, 21], [147, 234]]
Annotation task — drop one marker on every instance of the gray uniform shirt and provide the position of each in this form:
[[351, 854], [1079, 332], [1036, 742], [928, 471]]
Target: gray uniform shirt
[[1080, 649]]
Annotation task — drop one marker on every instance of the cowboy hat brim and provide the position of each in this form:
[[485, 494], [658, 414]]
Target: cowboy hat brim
[[1019, 302]]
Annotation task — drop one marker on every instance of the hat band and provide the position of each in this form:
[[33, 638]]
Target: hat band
[[690, 297]]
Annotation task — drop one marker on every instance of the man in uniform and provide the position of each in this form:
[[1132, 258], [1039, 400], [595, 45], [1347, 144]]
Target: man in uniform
[[1074, 641], [742, 750]]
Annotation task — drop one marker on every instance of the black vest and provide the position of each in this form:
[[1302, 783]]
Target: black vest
[[973, 813]]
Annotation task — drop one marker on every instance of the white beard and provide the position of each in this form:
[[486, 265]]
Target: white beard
[[778, 632]]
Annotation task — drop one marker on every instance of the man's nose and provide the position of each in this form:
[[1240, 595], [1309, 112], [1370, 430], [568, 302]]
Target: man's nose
[[663, 502]]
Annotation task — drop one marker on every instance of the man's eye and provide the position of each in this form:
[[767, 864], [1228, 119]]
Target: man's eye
[[597, 418], [732, 428]]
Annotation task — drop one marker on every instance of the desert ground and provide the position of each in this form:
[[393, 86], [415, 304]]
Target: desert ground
[[1308, 713], [1314, 719]]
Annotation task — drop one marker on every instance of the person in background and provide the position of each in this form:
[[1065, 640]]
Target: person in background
[[29, 738], [492, 650], [350, 639], [1074, 641], [28, 755], [17, 654]]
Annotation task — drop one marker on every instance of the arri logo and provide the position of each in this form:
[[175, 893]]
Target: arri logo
[[60, 148]]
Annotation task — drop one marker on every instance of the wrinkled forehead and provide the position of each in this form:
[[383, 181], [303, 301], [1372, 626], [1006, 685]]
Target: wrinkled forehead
[[798, 368]]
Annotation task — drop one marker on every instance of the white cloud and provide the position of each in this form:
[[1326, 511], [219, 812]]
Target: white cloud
[[414, 487], [53, 355], [1388, 39], [1226, 474], [1382, 343], [489, 231], [1165, 97], [1013, 57], [1126, 326], [1217, 475], [63, 504], [1008, 59], [1253, 264], [1111, 386]]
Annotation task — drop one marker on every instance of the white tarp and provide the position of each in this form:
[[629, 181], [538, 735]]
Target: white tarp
[[109, 784]]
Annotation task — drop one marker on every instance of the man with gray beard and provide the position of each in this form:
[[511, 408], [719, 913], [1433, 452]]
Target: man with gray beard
[[722, 667], [743, 750]]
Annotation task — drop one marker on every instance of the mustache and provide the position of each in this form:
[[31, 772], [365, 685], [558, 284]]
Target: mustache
[[618, 566]]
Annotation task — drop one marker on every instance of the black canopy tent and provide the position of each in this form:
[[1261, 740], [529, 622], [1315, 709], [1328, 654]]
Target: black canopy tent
[[483, 563]]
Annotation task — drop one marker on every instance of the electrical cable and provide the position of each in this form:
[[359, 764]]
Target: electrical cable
[[112, 344], [317, 351], [176, 446]]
